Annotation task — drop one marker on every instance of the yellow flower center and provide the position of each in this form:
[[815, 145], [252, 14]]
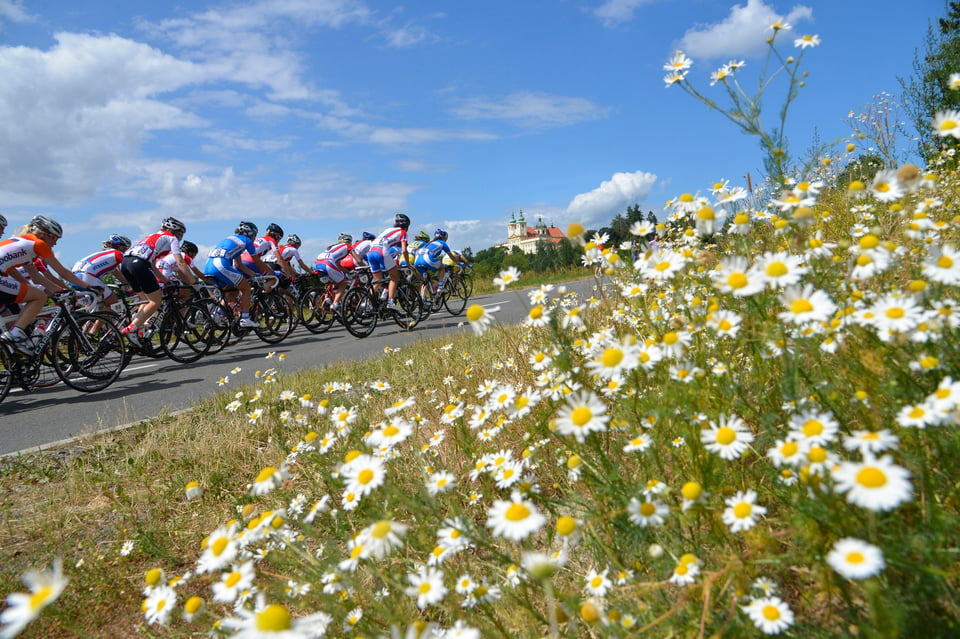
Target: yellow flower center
[[365, 476], [536, 312], [855, 557], [381, 529], [726, 435], [670, 338], [581, 415], [771, 613], [817, 454], [777, 269], [647, 509], [725, 325], [232, 579], [895, 313], [274, 618], [798, 307], [612, 357], [737, 280], [474, 313], [566, 525], [691, 490], [517, 512], [742, 510], [812, 427], [789, 449], [39, 598], [871, 477], [219, 546], [944, 262], [266, 474]]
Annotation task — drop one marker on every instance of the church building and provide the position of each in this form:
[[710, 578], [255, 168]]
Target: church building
[[526, 237]]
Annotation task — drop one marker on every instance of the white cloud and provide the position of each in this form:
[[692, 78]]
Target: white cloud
[[70, 115], [613, 196], [615, 12], [742, 33], [13, 11], [531, 109]]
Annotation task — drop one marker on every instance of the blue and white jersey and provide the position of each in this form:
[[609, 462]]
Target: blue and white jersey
[[433, 250], [230, 247]]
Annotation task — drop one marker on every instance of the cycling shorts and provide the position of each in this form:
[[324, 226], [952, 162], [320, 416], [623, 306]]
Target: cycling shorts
[[423, 263], [329, 269], [11, 290], [380, 260], [222, 271], [139, 274]]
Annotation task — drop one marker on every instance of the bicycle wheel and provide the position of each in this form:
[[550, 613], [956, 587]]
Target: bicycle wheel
[[456, 300], [467, 280], [315, 313], [408, 299], [359, 312], [179, 336], [274, 316], [91, 358], [6, 371]]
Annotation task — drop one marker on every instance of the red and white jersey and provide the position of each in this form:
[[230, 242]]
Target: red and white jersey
[[155, 246], [167, 265], [287, 253], [20, 249], [335, 253], [391, 237], [99, 264]]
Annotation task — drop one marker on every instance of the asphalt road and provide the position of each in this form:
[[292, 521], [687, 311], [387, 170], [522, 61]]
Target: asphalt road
[[52, 416]]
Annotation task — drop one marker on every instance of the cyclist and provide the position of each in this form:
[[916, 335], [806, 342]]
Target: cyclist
[[381, 260], [226, 268], [267, 248], [167, 265], [37, 240], [144, 277], [289, 253], [3, 225], [328, 263], [430, 258], [358, 252], [94, 267]]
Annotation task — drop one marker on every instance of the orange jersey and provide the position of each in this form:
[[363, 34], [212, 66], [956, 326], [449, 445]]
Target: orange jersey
[[20, 249]]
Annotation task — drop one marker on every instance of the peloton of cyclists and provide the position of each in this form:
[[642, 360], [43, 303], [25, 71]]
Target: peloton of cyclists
[[328, 264]]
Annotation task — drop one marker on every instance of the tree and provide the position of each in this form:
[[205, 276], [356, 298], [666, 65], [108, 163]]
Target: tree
[[863, 169], [928, 91]]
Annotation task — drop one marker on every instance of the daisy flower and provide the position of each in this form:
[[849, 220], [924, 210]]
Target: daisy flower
[[268, 479], [539, 316], [193, 490], [771, 615], [275, 620], [805, 304], [648, 513], [597, 583], [874, 484], [637, 444], [679, 62], [742, 511], [232, 583], [780, 269], [727, 437], [661, 266], [441, 482], [806, 41], [947, 123], [426, 584], [382, 538], [725, 323], [159, 605], [855, 559], [219, 550], [685, 574], [480, 318], [615, 360], [45, 587], [583, 414], [507, 277], [869, 442], [364, 474], [734, 276], [943, 265], [515, 519], [814, 427]]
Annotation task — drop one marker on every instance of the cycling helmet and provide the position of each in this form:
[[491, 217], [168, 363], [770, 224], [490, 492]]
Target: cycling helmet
[[345, 237], [3, 222], [367, 235], [44, 224], [119, 242], [440, 234], [401, 220], [274, 229], [173, 225], [422, 235], [294, 240], [247, 228], [189, 248]]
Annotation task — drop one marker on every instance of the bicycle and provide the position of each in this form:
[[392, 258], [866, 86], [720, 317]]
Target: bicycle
[[453, 296], [269, 308], [85, 349], [363, 307]]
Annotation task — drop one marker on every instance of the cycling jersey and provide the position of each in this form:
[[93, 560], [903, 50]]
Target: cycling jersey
[[220, 260], [168, 267], [14, 252], [428, 257], [155, 246], [98, 264], [360, 249]]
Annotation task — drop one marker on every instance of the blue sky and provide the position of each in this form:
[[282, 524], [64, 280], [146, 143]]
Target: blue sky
[[330, 115]]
